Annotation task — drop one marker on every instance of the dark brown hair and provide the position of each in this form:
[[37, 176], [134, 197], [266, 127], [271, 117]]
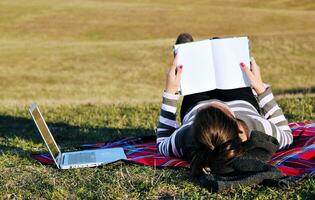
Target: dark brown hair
[[216, 135], [184, 38]]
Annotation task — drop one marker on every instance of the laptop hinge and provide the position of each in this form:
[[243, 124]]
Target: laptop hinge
[[62, 159], [59, 160]]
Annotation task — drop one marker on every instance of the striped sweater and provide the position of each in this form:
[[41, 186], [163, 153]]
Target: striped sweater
[[176, 141]]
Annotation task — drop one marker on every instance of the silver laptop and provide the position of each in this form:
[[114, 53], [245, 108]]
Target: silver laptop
[[77, 159]]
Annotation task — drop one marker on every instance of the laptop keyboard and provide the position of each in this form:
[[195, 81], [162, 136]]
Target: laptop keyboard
[[82, 158]]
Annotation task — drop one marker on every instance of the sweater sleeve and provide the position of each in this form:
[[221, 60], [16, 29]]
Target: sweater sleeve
[[167, 125], [273, 113]]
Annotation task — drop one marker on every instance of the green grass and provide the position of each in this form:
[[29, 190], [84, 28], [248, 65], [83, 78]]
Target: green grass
[[74, 125], [96, 68]]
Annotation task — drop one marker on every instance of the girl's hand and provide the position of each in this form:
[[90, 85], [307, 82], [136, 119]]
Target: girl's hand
[[173, 77], [254, 76]]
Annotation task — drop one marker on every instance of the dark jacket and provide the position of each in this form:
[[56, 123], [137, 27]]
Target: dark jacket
[[249, 169]]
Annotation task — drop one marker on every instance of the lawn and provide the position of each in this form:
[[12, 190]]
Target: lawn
[[96, 68]]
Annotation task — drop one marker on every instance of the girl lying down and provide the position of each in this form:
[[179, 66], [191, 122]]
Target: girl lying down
[[217, 125]]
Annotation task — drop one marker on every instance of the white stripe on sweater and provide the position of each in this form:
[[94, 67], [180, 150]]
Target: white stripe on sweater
[[265, 124], [281, 139], [238, 109], [278, 119], [175, 152], [168, 122], [230, 103], [161, 146], [168, 108], [271, 111], [161, 129], [160, 139], [164, 147], [285, 140], [278, 134], [190, 119], [187, 116], [265, 100], [170, 96], [285, 128]]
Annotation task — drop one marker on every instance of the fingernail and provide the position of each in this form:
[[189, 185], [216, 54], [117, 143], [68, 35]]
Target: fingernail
[[180, 66], [242, 64]]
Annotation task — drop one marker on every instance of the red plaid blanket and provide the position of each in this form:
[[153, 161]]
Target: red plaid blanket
[[298, 159]]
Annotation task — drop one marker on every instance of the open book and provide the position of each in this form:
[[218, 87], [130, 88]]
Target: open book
[[213, 64]]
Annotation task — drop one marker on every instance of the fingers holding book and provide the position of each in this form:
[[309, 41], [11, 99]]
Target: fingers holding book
[[254, 76], [173, 77]]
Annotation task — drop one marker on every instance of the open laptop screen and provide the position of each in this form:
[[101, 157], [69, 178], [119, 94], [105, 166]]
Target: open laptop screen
[[41, 125]]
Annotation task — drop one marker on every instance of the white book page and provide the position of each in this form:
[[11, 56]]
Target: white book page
[[198, 71], [228, 53]]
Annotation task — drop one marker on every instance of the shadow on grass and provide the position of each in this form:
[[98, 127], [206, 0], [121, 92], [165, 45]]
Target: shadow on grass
[[13, 150], [67, 136], [309, 90]]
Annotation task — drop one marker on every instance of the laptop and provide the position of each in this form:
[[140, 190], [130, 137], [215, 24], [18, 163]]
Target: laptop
[[77, 159]]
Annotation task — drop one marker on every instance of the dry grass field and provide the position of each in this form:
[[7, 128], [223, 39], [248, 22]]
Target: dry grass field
[[107, 52], [96, 68]]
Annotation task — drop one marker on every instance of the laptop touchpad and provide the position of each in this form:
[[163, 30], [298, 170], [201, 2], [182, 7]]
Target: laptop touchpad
[[81, 158]]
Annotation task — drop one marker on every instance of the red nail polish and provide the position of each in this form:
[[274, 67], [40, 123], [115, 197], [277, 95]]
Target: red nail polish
[[180, 66], [242, 64]]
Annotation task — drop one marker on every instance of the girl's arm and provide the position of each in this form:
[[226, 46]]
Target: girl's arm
[[167, 125], [278, 124], [273, 113]]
